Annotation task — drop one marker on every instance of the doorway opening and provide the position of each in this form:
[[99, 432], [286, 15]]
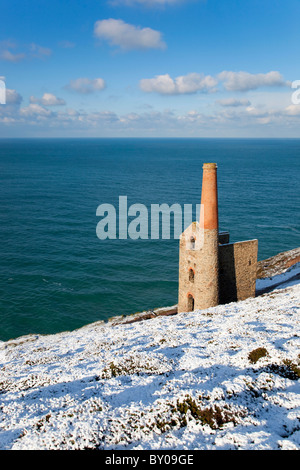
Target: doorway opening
[[191, 303]]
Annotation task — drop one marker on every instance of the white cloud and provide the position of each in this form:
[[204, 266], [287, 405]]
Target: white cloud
[[12, 97], [293, 110], [128, 36], [10, 57], [31, 50], [86, 85], [101, 116], [228, 102], [48, 99], [184, 84], [244, 81], [35, 110], [39, 51]]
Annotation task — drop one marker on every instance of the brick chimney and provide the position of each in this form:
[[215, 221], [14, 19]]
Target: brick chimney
[[209, 218], [209, 226]]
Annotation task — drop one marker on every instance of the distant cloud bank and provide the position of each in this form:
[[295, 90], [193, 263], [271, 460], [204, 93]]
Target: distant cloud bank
[[230, 110], [232, 102]]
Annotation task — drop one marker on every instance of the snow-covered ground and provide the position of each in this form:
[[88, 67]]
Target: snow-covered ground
[[186, 381]]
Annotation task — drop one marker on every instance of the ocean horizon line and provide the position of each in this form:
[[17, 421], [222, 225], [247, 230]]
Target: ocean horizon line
[[144, 138]]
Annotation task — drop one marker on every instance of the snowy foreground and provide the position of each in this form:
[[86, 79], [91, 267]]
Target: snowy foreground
[[221, 378]]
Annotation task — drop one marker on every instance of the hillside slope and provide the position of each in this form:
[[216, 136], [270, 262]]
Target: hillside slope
[[222, 378]]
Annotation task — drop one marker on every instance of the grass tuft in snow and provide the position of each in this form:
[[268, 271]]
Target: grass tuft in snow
[[293, 368], [214, 416], [138, 365], [256, 354]]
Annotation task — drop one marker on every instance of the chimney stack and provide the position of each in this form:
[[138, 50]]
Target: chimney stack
[[209, 225], [209, 218]]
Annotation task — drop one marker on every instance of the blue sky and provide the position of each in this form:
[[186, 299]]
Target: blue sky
[[157, 68]]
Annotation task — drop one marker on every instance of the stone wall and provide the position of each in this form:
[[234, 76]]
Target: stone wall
[[237, 270], [203, 260]]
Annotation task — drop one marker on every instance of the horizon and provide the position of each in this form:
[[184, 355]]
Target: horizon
[[145, 137]]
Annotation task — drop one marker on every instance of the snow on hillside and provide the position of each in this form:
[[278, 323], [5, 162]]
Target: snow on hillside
[[222, 378], [289, 276]]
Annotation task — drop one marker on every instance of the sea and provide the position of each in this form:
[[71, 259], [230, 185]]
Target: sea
[[56, 274]]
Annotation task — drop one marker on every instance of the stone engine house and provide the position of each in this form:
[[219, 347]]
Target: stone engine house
[[213, 271]]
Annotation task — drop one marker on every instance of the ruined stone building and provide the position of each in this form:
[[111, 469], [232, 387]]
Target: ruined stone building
[[213, 271]]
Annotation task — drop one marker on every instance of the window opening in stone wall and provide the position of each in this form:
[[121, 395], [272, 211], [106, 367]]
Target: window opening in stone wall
[[191, 275]]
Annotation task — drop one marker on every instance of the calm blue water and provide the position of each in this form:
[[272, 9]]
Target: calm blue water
[[56, 275]]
